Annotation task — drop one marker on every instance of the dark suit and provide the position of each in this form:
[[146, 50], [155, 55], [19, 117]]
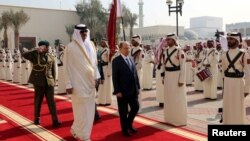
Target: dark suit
[[43, 78], [125, 81]]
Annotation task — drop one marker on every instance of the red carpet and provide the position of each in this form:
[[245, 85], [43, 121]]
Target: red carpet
[[20, 101]]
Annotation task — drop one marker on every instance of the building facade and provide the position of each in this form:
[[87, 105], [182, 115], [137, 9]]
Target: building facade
[[44, 24], [152, 34], [242, 27], [206, 26]]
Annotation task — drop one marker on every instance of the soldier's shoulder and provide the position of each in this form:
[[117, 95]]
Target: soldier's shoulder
[[243, 50]]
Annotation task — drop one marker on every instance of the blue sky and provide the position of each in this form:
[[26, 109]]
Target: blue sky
[[156, 11]]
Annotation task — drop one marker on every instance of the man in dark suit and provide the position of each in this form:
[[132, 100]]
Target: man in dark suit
[[43, 78], [126, 88]]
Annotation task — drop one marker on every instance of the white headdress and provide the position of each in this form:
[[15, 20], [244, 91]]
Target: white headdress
[[86, 45], [137, 38], [235, 35]]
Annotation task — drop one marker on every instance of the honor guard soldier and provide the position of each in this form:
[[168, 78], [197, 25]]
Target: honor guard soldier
[[17, 66], [105, 87], [61, 81], [2, 64], [137, 54], [9, 66], [211, 63], [174, 75], [235, 66]]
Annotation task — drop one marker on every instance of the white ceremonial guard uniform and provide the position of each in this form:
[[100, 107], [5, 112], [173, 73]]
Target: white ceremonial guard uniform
[[159, 85], [80, 68], [9, 66], [200, 56], [210, 84], [17, 66], [61, 80], [220, 79], [174, 113], [105, 89], [147, 70], [189, 68], [175, 107], [25, 71], [137, 55], [236, 71], [2, 64]]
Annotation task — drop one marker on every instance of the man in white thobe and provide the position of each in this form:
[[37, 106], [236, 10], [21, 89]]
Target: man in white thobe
[[199, 57], [17, 66], [61, 84], [236, 70], [81, 73], [175, 107], [2, 64], [220, 79], [159, 86], [9, 66], [105, 87], [189, 67], [137, 55], [147, 68], [211, 63], [25, 71]]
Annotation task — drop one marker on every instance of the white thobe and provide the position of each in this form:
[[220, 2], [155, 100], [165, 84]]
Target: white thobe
[[61, 79], [81, 71], [9, 67], [159, 87], [210, 84], [105, 89], [17, 68], [220, 79], [175, 99], [25, 71], [147, 68], [198, 85], [234, 111], [189, 68], [2, 65], [138, 60]]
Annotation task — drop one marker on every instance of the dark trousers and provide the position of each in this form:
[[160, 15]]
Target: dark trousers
[[48, 91], [127, 118]]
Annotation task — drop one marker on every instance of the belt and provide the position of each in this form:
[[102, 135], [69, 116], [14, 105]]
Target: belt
[[173, 68], [189, 60], [105, 63], [234, 74]]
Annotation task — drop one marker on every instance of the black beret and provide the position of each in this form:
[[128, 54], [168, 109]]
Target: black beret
[[46, 43]]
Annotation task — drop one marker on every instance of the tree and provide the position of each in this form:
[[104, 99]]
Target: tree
[[129, 19], [6, 22], [191, 35], [18, 19], [94, 16], [1, 26], [70, 30]]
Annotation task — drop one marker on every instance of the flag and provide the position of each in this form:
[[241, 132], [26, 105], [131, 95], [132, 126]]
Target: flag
[[119, 9], [111, 31]]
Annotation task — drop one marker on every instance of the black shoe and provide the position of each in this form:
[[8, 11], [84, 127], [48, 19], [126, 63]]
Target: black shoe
[[126, 134], [56, 123], [37, 121], [132, 130], [97, 118]]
